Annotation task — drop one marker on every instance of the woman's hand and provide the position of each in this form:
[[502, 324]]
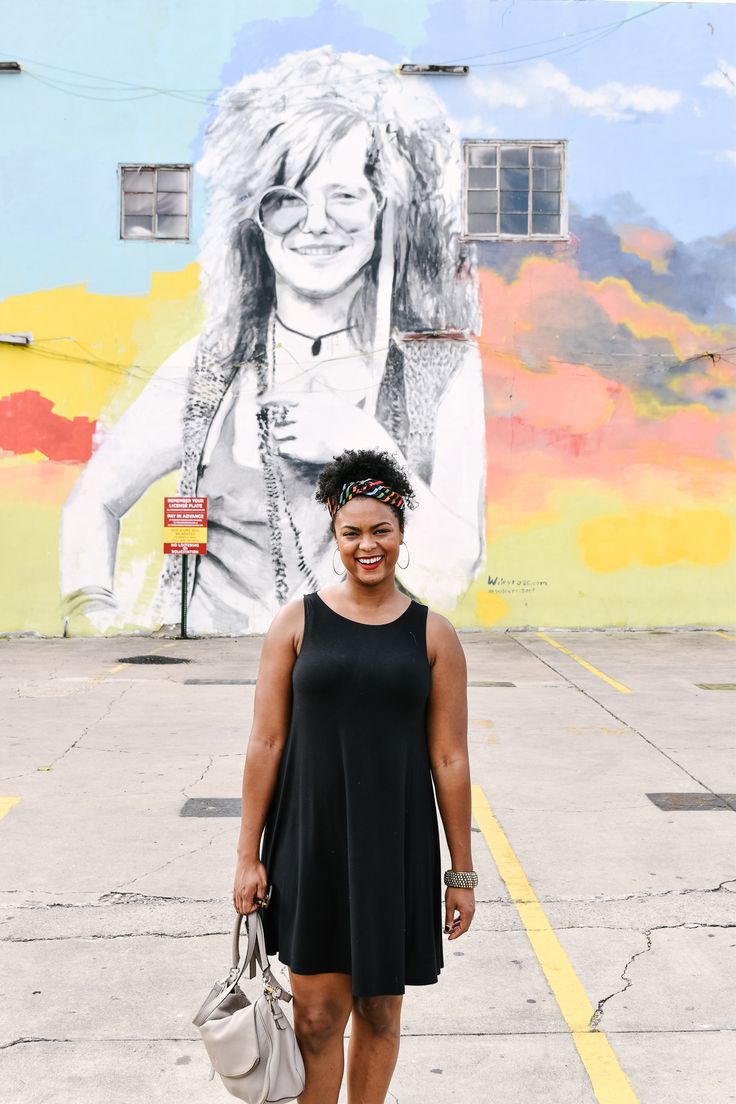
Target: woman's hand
[[463, 902], [316, 426], [251, 881]]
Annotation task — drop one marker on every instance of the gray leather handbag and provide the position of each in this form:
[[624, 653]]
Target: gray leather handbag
[[252, 1047]]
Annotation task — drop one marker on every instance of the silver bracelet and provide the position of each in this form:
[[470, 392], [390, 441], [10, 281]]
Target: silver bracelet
[[461, 879]]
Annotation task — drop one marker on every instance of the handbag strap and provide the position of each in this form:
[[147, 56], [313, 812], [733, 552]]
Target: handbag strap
[[254, 953], [258, 955]]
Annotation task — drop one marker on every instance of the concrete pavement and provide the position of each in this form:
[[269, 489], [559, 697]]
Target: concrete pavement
[[599, 968]]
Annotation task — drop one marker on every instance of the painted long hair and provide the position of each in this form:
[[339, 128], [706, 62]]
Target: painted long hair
[[272, 128]]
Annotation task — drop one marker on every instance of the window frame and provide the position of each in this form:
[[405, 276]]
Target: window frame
[[499, 143], [147, 166]]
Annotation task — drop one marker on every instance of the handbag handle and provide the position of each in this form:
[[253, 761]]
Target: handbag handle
[[255, 953]]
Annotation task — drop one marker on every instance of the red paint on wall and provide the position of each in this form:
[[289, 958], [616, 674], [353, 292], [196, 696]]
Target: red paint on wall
[[28, 424]]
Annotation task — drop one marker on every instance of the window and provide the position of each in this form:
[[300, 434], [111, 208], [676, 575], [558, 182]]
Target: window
[[154, 202], [515, 190]]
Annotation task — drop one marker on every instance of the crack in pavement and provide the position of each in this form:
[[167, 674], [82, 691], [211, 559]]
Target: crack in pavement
[[175, 858], [116, 935], [595, 1019], [186, 786], [547, 1033], [103, 716], [115, 897], [100, 1039], [694, 924]]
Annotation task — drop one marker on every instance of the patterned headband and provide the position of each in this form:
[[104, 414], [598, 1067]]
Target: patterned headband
[[373, 488]]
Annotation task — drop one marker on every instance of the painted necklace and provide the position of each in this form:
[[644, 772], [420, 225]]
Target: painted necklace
[[277, 498], [316, 341]]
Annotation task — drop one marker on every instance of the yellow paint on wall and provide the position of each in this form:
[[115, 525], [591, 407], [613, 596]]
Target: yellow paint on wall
[[490, 607], [85, 346], [654, 538], [540, 573]]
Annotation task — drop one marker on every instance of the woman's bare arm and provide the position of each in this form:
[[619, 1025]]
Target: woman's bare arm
[[271, 717], [144, 444], [447, 738]]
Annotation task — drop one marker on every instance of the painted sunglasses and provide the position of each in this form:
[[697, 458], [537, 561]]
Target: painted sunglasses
[[281, 209]]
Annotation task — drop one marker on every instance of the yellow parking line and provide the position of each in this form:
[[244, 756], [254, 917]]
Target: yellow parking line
[[122, 666], [725, 635], [610, 1083], [584, 663], [6, 804]]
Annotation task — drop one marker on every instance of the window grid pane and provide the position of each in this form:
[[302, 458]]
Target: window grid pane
[[482, 224], [138, 226], [481, 154], [545, 224], [546, 203], [482, 178], [480, 202], [138, 203], [172, 180], [171, 226], [135, 180], [171, 203]]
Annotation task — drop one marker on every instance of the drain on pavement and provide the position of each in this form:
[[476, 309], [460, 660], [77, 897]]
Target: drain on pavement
[[219, 682], [211, 807], [679, 802], [153, 659]]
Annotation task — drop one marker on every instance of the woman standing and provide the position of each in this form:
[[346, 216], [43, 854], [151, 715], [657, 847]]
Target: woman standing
[[360, 706], [340, 308]]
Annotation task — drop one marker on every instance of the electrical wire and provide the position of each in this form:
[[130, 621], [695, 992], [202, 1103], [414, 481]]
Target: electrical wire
[[555, 38], [204, 96], [82, 96], [594, 32]]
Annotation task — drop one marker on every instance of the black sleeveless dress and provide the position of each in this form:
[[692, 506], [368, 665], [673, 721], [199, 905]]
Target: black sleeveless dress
[[351, 840]]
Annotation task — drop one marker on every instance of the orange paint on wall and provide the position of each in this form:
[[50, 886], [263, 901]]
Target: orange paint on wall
[[648, 319], [654, 246], [42, 483], [571, 397]]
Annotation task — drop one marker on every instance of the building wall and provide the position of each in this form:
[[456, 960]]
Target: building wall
[[605, 362]]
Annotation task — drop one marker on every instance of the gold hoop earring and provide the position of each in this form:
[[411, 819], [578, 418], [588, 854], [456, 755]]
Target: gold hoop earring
[[404, 566], [333, 563]]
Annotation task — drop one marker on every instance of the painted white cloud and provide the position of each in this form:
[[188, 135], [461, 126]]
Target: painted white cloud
[[730, 155], [474, 125], [724, 77], [541, 86]]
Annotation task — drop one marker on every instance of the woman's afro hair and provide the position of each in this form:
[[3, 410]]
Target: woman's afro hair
[[354, 464]]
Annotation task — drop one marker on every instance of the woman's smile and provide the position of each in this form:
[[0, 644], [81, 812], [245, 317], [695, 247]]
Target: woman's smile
[[369, 562], [316, 250]]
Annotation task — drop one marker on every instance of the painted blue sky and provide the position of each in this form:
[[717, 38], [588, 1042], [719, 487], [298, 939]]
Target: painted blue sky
[[644, 93]]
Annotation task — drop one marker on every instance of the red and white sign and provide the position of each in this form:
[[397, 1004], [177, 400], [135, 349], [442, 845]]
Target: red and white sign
[[185, 525]]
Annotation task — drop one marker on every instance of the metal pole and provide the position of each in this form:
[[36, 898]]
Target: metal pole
[[184, 581]]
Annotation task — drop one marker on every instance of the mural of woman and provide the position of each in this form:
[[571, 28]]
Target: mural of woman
[[340, 310]]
